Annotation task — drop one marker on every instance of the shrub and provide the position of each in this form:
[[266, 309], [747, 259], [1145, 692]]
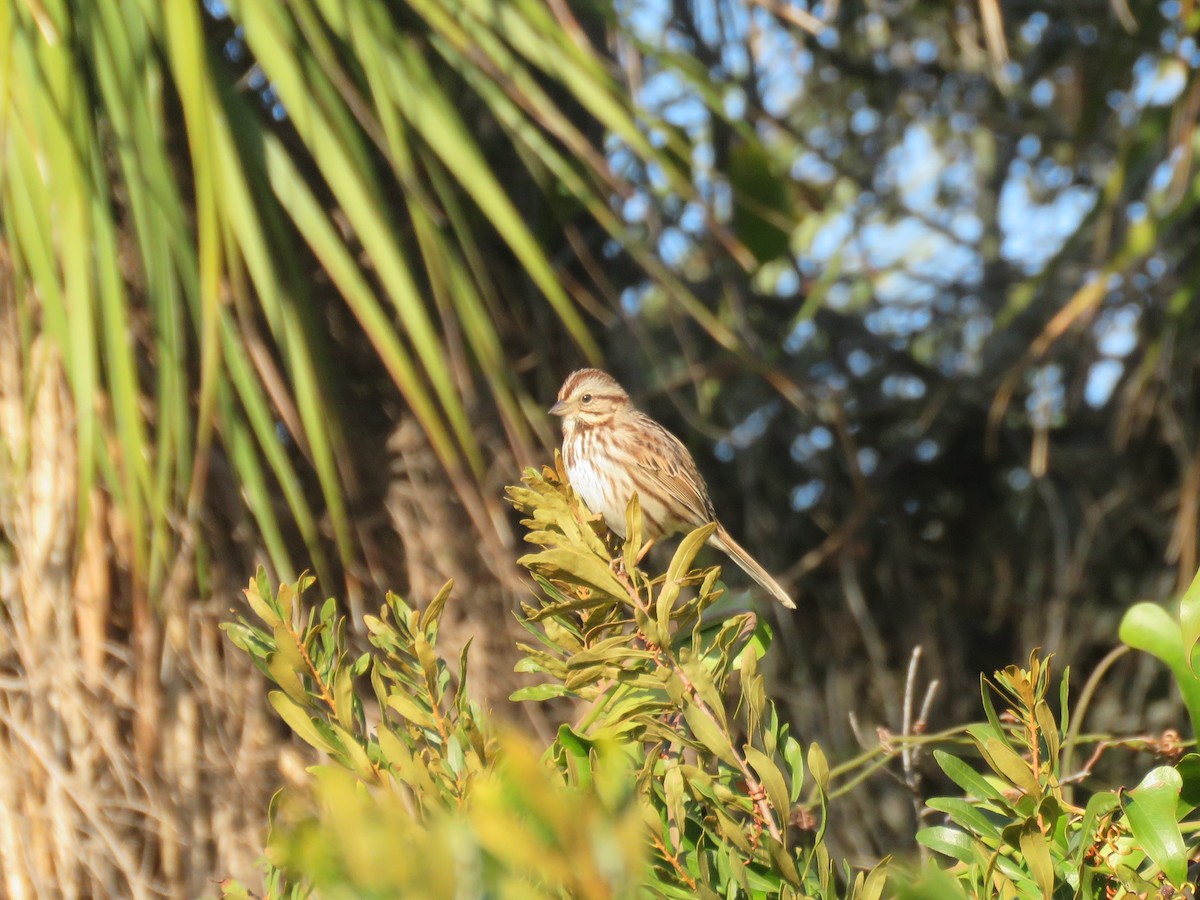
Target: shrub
[[676, 778]]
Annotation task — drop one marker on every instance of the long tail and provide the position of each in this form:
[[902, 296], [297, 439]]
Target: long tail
[[731, 548]]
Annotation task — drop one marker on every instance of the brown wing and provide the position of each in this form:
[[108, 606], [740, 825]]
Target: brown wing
[[662, 454]]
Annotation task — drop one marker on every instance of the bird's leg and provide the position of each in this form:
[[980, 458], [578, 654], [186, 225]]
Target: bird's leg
[[617, 563], [616, 559], [637, 561]]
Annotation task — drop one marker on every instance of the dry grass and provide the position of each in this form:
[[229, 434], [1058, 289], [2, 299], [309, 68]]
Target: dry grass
[[90, 806]]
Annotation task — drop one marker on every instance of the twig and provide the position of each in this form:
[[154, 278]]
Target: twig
[[1085, 699], [312, 669], [757, 793], [755, 789], [910, 752], [907, 752], [674, 861], [801, 18], [1083, 773]]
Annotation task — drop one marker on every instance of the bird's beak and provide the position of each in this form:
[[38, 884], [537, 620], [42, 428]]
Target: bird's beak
[[559, 408]]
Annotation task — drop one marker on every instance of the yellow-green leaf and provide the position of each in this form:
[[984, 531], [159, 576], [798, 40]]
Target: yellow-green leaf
[[298, 719], [1005, 761], [673, 794], [1037, 857], [261, 606], [433, 612], [709, 734], [343, 694], [285, 676], [407, 707], [772, 779], [818, 766], [565, 563], [288, 649], [633, 533]]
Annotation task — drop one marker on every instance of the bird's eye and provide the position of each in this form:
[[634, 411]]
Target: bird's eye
[[586, 398]]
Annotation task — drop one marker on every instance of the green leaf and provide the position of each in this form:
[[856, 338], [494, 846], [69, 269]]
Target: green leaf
[[1188, 768], [613, 651], [1148, 627], [412, 769], [679, 567], [702, 683], [430, 664], [577, 750], [1151, 811], [989, 708], [754, 692], [1189, 621], [759, 642], [577, 679], [455, 757], [1048, 726], [949, 842], [794, 755], [286, 600], [731, 830], [737, 870], [972, 783], [1064, 705], [394, 751], [1037, 857], [664, 604], [783, 861], [969, 816]]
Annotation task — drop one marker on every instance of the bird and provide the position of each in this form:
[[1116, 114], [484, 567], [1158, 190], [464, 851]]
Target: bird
[[611, 449]]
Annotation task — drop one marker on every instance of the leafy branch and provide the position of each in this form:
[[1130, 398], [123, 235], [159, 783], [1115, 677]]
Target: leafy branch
[[651, 666]]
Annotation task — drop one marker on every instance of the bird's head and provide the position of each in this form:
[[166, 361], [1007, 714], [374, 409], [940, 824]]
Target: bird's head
[[590, 397]]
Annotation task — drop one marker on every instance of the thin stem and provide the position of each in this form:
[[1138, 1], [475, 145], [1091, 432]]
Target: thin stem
[[674, 861], [1072, 738], [312, 669], [755, 789]]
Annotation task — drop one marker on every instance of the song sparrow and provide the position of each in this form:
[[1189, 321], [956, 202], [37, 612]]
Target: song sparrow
[[612, 449]]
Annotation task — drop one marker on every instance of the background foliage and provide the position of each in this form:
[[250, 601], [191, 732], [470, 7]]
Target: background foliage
[[291, 285]]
